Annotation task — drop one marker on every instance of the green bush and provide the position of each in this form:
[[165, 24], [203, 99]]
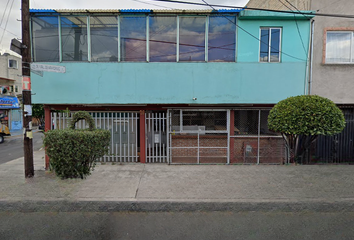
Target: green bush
[[306, 115], [73, 152], [301, 119]]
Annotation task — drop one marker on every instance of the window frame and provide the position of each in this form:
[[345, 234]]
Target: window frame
[[119, 16], [269, 43], [14, 60], [339, 30]]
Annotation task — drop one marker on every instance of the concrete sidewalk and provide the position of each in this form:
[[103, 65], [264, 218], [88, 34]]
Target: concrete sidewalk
[[161, 187]]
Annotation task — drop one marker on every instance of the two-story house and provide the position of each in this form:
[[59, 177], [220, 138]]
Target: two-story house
[[331, 67], [173, 86]]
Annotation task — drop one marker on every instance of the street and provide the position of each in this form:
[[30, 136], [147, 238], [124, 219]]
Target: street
[[12, 148], [176, 225]]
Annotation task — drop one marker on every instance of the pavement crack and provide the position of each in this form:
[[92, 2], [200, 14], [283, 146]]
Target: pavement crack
[[141, 176]]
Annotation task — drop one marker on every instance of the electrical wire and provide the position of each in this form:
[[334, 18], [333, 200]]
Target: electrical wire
[[2, 18], [297, 25], [151, 4], [269, 44], [261, 9], [7, 20], [297, 10]]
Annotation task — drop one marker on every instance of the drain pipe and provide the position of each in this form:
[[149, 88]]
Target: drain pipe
[[311, 57]]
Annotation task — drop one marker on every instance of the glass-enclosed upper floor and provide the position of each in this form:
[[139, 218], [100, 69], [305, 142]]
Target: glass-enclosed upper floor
[[128, 36]]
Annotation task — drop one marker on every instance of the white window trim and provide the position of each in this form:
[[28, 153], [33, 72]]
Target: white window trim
[[351, 57], [269, 43], [16, 63]]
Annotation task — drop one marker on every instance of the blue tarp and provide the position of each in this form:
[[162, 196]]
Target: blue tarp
[[9, 102]]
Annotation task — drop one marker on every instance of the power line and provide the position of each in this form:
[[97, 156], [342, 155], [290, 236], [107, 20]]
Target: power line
[[4, 12], [261, 9], [297, 10], [269, 45], [10, 32], [7, 20], [151, 4], [297, 25]]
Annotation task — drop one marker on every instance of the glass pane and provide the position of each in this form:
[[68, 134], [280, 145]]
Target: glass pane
[[275, 45], [104, 39], [45, 39], [222, 39], [192, 39], [264, 51], [162, 39], [338, 47], [133, 38], [74, 38], [246, 122]]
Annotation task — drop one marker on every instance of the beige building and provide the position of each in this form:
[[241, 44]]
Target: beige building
[[10, 88], [284, 5], [11, 74]]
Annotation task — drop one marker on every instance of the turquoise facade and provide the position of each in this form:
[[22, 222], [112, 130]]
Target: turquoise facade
[[246, 81]]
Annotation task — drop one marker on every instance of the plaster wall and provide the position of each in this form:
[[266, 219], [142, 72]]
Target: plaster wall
[[334, 81]]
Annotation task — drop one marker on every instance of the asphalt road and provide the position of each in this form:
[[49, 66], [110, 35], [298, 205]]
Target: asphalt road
[[176, 225], [12, 148]]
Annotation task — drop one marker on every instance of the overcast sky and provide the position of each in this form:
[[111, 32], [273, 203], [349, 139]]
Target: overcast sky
[[10, 11]]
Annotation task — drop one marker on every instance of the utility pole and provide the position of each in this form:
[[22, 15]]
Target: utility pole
[[26, 91]]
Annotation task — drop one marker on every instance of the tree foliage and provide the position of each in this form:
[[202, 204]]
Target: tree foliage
[[38, 112], [302, 118]]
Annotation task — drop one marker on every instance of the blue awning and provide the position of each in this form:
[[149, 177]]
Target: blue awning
[[8, 102]]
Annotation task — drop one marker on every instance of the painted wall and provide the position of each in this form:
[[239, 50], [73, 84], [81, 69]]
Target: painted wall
[[333, 81], [244, 82], [140, 83]]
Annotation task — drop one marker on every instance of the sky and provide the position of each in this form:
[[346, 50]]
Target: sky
[[10, 11]]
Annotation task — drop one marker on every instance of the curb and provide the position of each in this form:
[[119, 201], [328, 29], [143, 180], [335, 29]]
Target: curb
[[166, 206]]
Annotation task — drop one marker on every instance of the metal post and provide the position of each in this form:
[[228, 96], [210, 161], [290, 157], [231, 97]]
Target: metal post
[[26, 92]]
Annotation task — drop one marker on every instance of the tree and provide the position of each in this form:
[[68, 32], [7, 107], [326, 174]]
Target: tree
[[38, 113], [301, 119]]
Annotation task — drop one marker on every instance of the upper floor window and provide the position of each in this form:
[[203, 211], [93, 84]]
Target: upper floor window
[[104, 38], [13, 63], [339, 47], [45, 39], [270, 44], [131, 37], [74, 38], [222, 39]]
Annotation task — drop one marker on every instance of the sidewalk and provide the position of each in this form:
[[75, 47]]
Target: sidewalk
[[161, 187]]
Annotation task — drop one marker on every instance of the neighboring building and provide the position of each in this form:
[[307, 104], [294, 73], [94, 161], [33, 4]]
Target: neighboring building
[[332, 74], [332, 71], [176, 86], [11, 69], [283, 5], [10, 87]]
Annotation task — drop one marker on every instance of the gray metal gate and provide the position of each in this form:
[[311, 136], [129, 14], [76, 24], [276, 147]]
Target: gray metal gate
[[156, 137], [122, 125], [252, 142]]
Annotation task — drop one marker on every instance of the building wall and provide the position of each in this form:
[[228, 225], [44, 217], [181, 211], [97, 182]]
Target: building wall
[[169, 83], [246, 81], [11, 73], [334, 81], [276, 4]]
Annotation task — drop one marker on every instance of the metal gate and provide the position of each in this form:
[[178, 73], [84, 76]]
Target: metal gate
[[199, 136], [122, 125], [156, 137], [252, 142]]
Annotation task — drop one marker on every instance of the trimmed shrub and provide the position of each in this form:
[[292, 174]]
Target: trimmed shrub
[[73, 152], [302, 118]]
